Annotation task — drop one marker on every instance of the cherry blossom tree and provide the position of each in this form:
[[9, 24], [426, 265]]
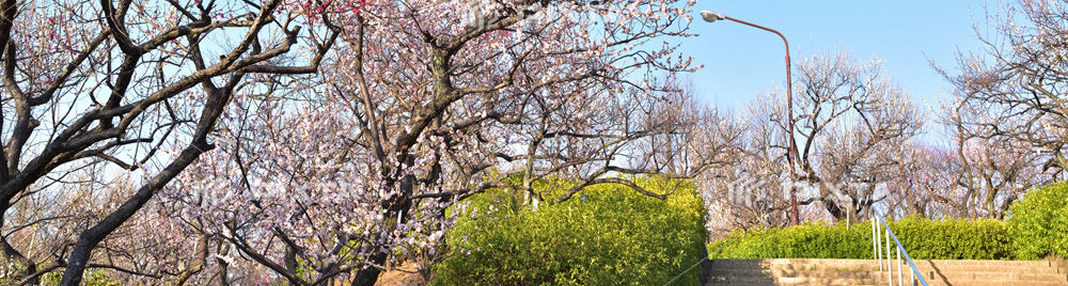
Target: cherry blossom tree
[[1016, 86], [747, 192], [976, 176], [108, 86], [973, 177], [927, 174], [992, 173], [1007, 118], [852, 124], [427, 103]]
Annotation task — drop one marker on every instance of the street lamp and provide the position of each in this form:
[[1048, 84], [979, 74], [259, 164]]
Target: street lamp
[[710, 17]]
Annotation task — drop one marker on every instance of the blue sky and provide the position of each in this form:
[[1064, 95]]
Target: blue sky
[[741, 61]]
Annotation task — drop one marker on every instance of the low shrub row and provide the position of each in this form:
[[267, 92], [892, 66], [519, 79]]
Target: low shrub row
[[923, 238], [812, 240], [1037, 226], [610, 236]]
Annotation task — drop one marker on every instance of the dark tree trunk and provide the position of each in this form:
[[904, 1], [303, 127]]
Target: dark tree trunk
[[89, 238], [397, 208], [369, 275]]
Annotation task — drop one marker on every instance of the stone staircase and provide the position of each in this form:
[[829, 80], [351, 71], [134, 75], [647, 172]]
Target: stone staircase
[[866, 272]]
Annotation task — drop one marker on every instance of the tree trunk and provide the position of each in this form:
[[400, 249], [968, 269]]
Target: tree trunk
[[88, 239], [369, 275], [398, 208]]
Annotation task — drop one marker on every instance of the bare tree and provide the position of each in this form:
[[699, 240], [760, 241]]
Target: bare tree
[[110, 83], [928, 174], [1014, 91], [1007, 119], [978, 176], [852, 126]]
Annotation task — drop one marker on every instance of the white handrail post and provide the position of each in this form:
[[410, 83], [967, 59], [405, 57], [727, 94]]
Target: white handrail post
[[900, 282], [912, 278], [874, 242], [915, 274], [889, 267], [878, 245]]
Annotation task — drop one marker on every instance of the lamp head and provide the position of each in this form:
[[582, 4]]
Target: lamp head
[[710, 16]]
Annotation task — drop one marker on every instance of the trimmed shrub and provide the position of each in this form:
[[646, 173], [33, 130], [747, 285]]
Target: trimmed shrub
[[811, 240], [954, 238], [612, 236], [922, 238], [1039, 222], [90, 278]]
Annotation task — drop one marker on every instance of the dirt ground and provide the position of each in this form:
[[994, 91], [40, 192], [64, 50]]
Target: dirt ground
[[401, 278]]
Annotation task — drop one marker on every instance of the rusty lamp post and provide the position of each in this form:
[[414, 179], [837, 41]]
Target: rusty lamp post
[[710, 17]]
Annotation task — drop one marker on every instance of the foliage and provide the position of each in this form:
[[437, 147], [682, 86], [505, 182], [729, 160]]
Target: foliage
[[922, 238], [811, 240], [954, 238], [1039, 222], [612, 234], [90, 278]]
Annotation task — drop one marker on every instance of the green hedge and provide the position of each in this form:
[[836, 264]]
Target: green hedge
[[812, 240], [91, 277], [1037, 227], [613, 236], [923, 238], [1039, 222], [954, 239]]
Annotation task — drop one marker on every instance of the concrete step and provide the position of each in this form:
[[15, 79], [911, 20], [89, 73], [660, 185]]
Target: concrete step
[[871, 281], [881, 278], [866, 272], [963, 265], [834, 273], [884, 283], [816, 261], [749, 280], [873, 267]]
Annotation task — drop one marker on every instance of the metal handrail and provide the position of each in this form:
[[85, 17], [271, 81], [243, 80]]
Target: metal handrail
[[877, 242]]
